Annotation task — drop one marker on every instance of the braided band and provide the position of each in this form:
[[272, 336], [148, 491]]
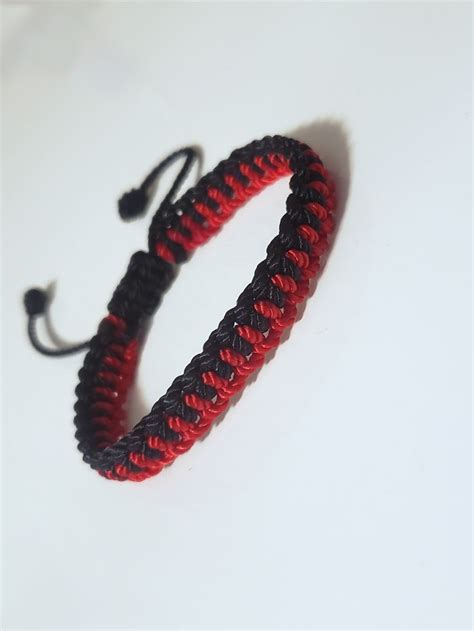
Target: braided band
[[265, 308]]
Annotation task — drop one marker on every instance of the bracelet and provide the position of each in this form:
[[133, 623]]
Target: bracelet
[[248, 331]]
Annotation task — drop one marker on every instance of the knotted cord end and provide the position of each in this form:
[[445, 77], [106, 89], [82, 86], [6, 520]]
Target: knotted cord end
[[132, 204], [35, 301]]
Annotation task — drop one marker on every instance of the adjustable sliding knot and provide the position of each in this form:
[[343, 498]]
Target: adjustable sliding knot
[[247, 332], [140, 290]]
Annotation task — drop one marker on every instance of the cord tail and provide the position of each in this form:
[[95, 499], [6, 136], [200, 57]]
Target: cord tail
[[135, 202], [36, 302]]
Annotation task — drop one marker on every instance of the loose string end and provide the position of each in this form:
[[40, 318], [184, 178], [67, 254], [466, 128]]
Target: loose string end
[[134, 203], [36, 303]]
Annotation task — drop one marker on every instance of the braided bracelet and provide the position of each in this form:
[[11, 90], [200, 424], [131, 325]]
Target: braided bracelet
[[238, 346]]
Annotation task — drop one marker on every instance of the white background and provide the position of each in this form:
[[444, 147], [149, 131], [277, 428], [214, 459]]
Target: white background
[[337, 493]]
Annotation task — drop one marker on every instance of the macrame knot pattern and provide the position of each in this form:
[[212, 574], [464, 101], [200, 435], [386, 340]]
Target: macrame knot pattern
[[247, 332]]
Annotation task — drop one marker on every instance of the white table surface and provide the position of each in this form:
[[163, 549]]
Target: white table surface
[[337, 493]]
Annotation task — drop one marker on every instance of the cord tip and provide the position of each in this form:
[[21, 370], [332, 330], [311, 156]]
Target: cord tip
[[35, 301], [132, 204]]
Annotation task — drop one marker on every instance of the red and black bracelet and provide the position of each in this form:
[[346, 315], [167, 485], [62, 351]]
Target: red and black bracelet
[[238, 346]]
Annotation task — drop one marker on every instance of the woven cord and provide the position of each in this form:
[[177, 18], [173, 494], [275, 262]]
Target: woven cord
[[246, 333]]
